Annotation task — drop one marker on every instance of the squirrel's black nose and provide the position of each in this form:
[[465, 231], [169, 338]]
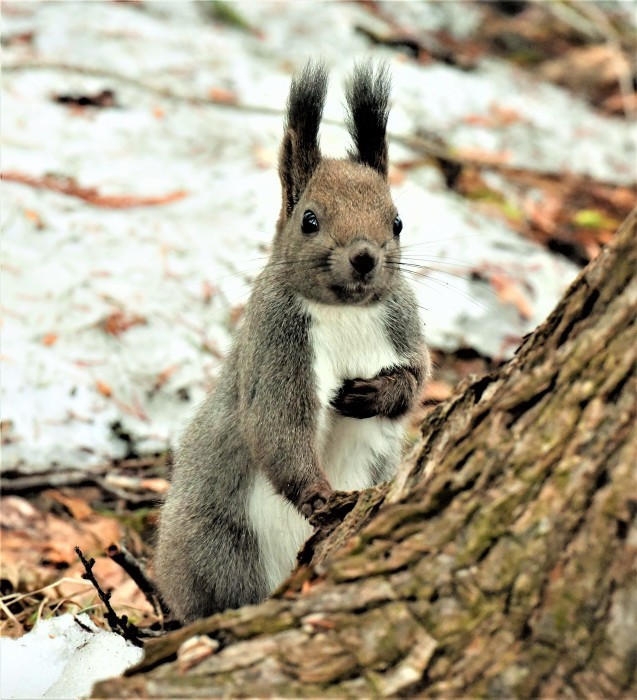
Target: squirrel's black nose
[[363, 262]]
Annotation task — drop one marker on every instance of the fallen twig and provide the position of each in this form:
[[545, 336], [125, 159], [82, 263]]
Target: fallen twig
[[220, 101], [47, 480], [68, 186], [121, 625], [136, 570]]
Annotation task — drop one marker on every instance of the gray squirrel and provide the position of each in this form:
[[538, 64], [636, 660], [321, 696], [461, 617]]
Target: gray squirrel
[[314, 393]]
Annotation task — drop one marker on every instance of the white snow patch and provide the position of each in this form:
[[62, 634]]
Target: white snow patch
[[60, 659], [183, 267]]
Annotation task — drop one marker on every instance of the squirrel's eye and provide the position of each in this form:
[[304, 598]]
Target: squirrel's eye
[[398, 226], [310, 222]]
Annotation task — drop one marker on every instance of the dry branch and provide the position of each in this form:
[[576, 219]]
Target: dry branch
[[118, 624], [68, 186], [136, 570]]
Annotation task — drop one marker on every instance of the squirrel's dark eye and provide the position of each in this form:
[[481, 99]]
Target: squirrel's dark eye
[[398, 226], [310, 222]]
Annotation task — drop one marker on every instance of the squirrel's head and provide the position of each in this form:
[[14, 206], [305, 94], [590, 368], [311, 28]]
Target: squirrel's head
[[337, 238]]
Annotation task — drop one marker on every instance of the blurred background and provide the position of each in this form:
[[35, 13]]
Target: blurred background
[[140, 192]]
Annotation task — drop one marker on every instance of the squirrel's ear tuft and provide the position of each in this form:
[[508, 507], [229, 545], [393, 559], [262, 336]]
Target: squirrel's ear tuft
[[300, 154], [367, 94]]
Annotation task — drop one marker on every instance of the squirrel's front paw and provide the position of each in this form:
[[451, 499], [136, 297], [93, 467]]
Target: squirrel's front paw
[[314, 497], [361, 398]]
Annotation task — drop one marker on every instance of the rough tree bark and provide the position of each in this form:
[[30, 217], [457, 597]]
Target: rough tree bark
[[501, 561]]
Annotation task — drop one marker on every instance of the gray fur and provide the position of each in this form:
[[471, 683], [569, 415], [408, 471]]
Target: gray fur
[[265, 414]]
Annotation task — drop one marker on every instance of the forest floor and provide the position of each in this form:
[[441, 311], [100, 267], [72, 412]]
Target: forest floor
[[139, 194]]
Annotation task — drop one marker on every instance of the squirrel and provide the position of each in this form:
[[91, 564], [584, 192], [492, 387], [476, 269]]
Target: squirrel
[[315, 391]]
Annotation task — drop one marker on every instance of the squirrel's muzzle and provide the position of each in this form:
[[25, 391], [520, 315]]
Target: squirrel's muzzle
[[363, 263]]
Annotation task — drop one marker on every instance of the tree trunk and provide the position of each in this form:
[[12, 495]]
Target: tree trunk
[[502, 560]]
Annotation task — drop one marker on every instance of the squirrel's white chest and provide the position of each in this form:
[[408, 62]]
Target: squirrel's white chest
[[348, 343]]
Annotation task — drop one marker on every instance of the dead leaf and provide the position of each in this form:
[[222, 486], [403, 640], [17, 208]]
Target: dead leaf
[[222, 96], [620, 104], [591, 70], [509, 292], [504, 116], [103, 388], [77, 507], [17, 513], [157, 485], [477, 120], [68, 186], [165, 375], [208, 291], [34, 217], [545, 212], [50, 339], [482, 157], [119, 321]]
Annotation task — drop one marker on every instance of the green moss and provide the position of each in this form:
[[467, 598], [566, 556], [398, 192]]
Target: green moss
[[488, 525], [224, 13], [137, 520], [594, 219]]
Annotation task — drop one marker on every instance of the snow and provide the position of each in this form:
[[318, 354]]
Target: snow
[[59, 658], [69, 389]]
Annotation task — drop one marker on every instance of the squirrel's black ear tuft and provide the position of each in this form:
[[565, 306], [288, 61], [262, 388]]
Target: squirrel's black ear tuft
[[300, 154], [367, 94]]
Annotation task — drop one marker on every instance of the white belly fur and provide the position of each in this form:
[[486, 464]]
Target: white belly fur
[[347, 342]]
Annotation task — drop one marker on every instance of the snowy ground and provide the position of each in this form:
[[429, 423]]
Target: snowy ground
[[62, 658], [115, 320]]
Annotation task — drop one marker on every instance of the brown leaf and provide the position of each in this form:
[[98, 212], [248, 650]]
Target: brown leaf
[[50, 339], [157, 485], [208, 291], [68, 186], [503, 116], [34, 217], [222, 96], [479, 155], [103, 388], [591, 70], [509, 292], [77, 507], [477, 120], [165, 375], [119, 322], [544, 214]]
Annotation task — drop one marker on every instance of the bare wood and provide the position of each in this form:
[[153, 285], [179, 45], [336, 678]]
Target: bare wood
[[501, 561]]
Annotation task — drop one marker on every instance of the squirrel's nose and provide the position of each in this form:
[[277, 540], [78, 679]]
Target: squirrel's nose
[[363, 262]]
